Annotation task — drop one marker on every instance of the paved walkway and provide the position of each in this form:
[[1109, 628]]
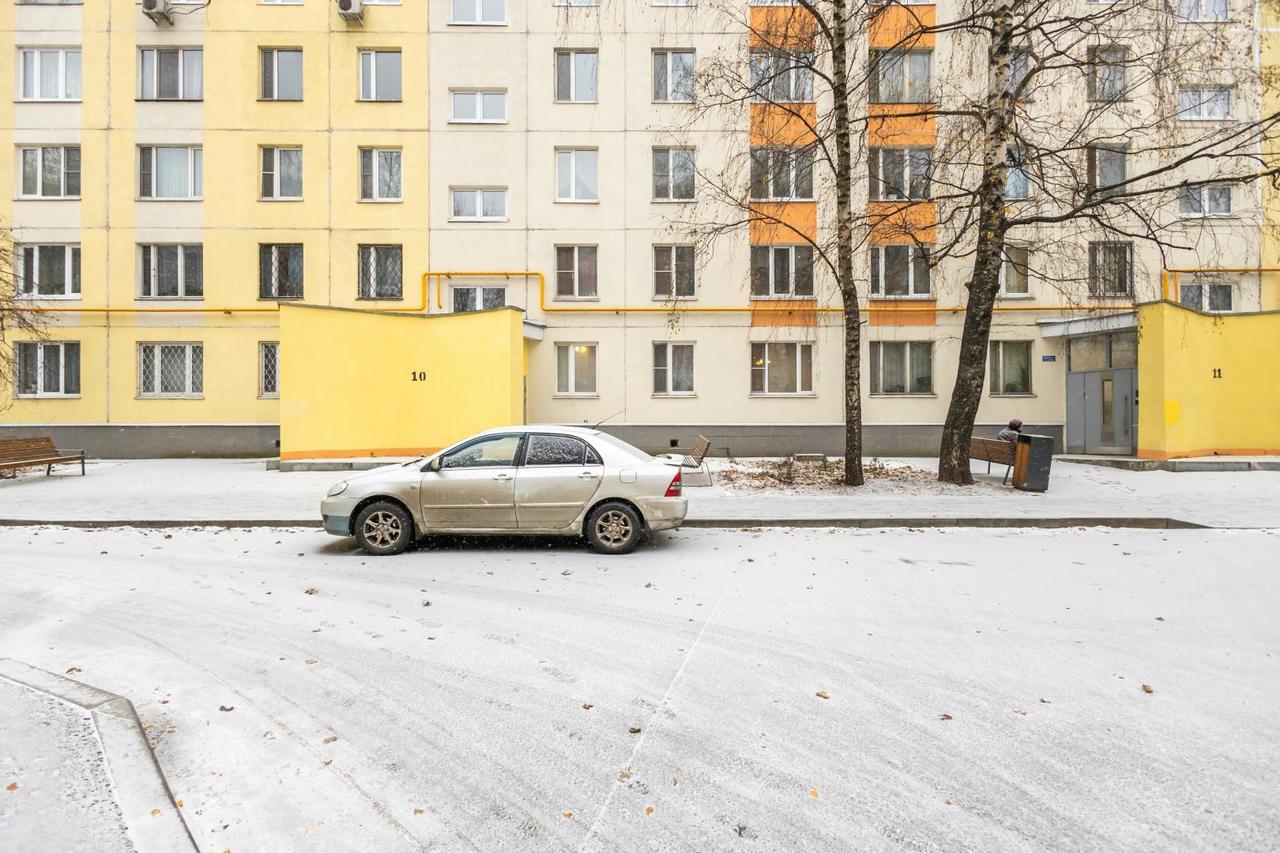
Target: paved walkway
[[219, 490]]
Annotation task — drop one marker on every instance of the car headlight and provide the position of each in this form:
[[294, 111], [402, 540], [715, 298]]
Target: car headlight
[[338, 488]]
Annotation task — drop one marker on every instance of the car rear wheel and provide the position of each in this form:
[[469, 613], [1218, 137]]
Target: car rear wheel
[[383, 528], [614, 528]]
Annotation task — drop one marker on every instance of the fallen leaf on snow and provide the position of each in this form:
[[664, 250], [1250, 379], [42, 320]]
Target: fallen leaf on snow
[[813, 792], [624, 775], [944, 716], [1147, 688], [587, 706], [226, 707], [635, 730], [12, 786], [330, 738], [155, 812], [568, 815], [72, 669], [822, 694], [311, 590], [648, 809], [417, 812], [311, 661], [1022, 711]]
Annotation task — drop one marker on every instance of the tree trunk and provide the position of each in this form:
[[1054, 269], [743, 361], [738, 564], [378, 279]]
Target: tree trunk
[[984, 285], [843, 128]]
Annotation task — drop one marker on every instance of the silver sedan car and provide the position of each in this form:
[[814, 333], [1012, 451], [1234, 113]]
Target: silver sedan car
[[568, 481]]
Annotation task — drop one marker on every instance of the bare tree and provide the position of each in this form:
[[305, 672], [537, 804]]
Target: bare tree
[[1065, 125], [17, 319]]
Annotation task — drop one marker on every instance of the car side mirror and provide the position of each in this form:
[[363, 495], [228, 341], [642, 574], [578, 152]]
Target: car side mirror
[[433, 465]]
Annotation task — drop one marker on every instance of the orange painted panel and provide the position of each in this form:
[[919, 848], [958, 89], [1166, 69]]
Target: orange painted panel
[[913, 313], [893, 125], [782, 222], [784, 312], [789, 125], [902, 222], [781, 26], [894, 23]]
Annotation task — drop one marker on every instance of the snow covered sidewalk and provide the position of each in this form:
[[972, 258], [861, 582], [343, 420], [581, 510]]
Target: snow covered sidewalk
[[224, 490]]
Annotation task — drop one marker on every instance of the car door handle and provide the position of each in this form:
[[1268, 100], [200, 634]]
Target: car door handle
[[587, 475], [502, 476]]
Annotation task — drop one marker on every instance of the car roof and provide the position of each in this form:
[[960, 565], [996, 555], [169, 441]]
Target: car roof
[[552, 428]]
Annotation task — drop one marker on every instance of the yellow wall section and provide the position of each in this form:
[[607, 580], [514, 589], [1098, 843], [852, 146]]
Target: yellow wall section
[[348, 389], [1207, 382]]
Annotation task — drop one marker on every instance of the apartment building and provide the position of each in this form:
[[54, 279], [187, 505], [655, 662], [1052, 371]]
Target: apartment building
[[551, 155]]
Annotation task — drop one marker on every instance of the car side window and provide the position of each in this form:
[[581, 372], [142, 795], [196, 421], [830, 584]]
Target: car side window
[[593, 458], [497, 451], [556, 450]]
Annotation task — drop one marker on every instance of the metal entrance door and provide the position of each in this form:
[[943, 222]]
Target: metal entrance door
[[1102, 411]]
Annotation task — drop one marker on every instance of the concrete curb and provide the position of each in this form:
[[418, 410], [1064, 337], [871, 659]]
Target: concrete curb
[[1176, 465], [142, 792], [1134, 522]]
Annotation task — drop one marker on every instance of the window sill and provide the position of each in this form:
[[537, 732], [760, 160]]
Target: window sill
[[268, 396], [477, 219], [169, 298], [379, 200], [788, 200], [46, 198], [577, 201], [287, 199], [167, 199], [48, 101], [46, 396], [673, 103], [673, 200], [169, 397], [168, 100], [481, 122], [50, 297], [478, 24], [674, 395], [782, 394], [907, 396], [396, 298], [664, 299], [895, 103], [1197, 217], [582, 103], [262, 298], [1205, 119], [560, 395], [903, 297], [1012, 395], [559, 298]]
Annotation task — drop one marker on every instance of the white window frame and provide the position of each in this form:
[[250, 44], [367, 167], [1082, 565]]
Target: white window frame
[[478, 97], [668, 369], [792, 251], [578, 293], [1201, 193], [1104, 75], [195, 173], [1206, 286], [372, 74], [573, 98], [71, 287], [39, 175], [575, 2], [275, 74], [876, 369], [794, 155], [674, 249], [149, 289], [375, 289], [275, 152], [765, 68], [1005, 262], [664, 55], [375, 173], [569, 383], [265, 393], [689, 153], [909, 83], [573, 175], [915, 289], [477, 21], [910, 157], [1203, 99], [41, 392], [38, 59], [478, 193], [479, 292], [677, 3], [760, 366], [154, 94], [151, 350], [995, 371], [1200, 7]]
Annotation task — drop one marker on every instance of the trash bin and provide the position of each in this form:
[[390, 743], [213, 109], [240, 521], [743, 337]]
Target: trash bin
[[1031, 463]]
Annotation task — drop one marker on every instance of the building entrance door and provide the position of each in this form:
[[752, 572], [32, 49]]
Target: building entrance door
[[1102, 395]]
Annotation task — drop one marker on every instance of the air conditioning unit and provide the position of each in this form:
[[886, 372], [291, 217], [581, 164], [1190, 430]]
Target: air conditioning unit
[[158, 11], [351, 11]]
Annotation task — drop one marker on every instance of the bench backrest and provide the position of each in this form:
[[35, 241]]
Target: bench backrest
[[700, 448], [993, 450], [17, 449]]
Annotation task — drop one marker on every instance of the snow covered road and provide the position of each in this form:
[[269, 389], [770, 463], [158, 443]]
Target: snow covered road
[[718, 690]]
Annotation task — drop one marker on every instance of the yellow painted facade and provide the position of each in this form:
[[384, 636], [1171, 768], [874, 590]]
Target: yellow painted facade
[[405, 384], [1207, 382], [230, 123], [1270, 249]]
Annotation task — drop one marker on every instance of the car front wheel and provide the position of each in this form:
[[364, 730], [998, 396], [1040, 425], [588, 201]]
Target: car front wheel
[[614, 528], [384, 528]]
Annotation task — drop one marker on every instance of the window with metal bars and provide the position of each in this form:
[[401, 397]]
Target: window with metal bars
[[381, 273], [1110, 269], [170, 370], [280, 271], [269, 369]]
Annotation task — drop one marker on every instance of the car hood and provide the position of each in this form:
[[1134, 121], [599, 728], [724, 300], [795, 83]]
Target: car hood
[[356, 477]]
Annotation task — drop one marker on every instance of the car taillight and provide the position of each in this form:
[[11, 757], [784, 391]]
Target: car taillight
[[676, 489]]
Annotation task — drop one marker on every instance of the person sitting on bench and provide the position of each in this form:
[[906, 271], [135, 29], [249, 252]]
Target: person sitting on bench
[[1011, 432]]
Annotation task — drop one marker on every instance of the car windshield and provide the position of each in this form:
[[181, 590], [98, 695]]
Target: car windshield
[[621, 446]]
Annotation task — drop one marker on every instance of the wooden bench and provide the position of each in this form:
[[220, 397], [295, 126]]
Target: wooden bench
[[994, 450], [16, 453]]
